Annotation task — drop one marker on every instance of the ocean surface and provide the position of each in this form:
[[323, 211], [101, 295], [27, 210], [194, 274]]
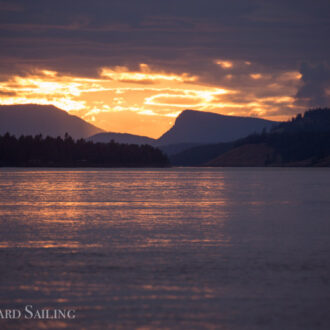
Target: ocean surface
[[171, 248]]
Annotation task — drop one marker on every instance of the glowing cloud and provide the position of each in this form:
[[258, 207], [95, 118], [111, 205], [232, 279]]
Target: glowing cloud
[[147, 93], [188, 98], [145, 75], [256, 76], [224, 64]]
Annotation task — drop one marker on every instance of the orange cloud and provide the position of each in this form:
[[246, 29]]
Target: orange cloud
[[256, 76], [186, 99], [145, 75], [224, 64]]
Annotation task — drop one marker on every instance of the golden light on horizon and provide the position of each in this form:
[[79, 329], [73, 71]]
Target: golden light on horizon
[[187, 98], [143, 101]]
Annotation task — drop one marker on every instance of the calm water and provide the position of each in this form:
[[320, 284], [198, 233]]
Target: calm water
[[170, 248]]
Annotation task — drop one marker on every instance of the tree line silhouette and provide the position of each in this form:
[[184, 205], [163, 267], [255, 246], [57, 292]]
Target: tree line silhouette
[[303, 137], [61, 152]]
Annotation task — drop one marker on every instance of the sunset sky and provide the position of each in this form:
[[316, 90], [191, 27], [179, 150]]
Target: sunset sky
[[133, 66]]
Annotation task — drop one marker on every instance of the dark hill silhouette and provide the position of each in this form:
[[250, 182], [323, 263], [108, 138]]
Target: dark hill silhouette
[[193, 128], [32, 119], [315, 120], [122, 138], [279, 149], [302, 141], [204, 127], [247, 155], [199, 155]]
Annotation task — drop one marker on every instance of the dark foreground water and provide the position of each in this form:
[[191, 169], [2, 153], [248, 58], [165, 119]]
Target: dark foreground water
[[167, 249]]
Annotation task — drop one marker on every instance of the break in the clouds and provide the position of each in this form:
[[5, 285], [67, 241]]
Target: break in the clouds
[[134, 65]]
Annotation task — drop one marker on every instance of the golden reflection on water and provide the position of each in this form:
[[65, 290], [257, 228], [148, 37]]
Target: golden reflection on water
[[43, 200], [46, 245], [105, 236]]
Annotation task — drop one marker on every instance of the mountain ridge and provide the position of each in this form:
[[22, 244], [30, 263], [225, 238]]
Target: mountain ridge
[[201, 127], [191, 128], [304, 141], [216, 128], [33, 119]]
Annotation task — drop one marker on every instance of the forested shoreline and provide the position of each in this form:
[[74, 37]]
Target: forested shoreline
[[39, 151], [302, 141]]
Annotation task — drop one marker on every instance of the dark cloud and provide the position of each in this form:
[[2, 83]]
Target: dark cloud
[[316, 81], [79, 37], [9, 6]]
